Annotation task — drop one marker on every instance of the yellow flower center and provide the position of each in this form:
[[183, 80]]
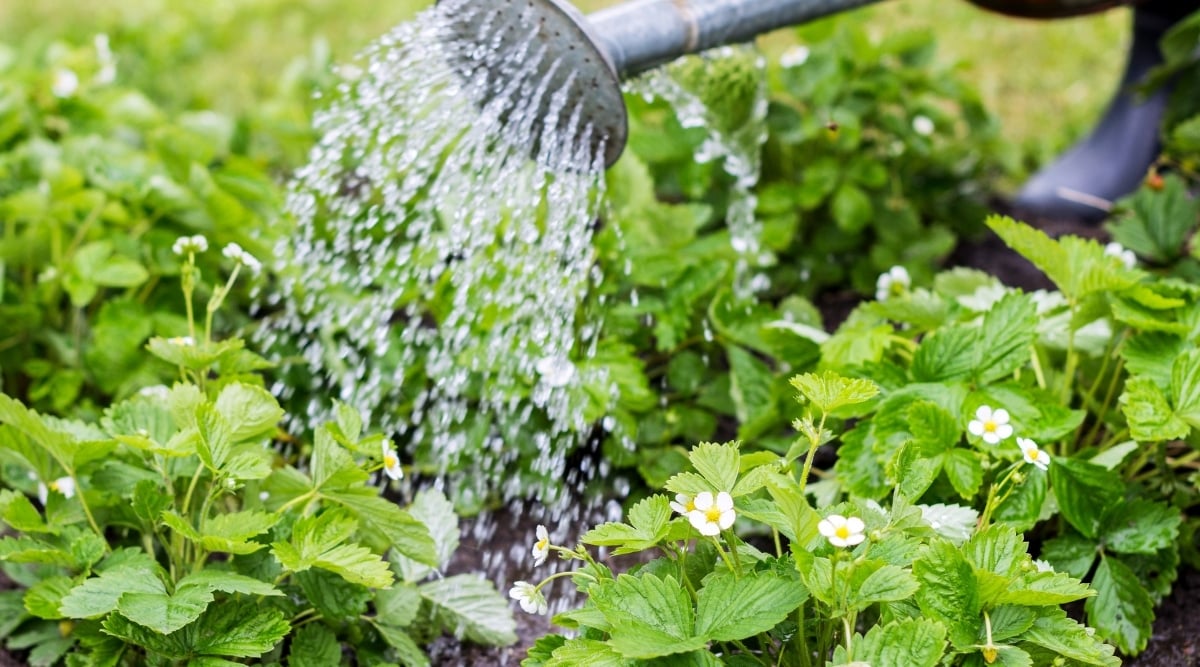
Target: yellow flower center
[[542, 544], [843, 532], [1031, 452], [390, 461], [990, 426], [713, 514], [54, 486], [690, 505]]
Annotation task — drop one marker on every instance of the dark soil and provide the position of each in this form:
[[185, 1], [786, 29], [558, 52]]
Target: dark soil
[[498, 547]]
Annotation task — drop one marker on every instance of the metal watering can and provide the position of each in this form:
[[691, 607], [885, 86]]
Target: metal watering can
[[593, 53]]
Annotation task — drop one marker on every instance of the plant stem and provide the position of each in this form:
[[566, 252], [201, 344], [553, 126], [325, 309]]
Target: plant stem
[[814, 443]]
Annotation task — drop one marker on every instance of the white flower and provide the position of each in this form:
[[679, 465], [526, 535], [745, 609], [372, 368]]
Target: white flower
[[683, 503], [1122, 253], [236, 253], [158, 391], [712, 514], [1033, 454], [893, 283], [391, 462], [541, 548], [991, 425], [182, 341], [187, 245], [794, 57], [531, 599], [922, 125], [63, 485], [842, 531], [65, 82], [263, 496]]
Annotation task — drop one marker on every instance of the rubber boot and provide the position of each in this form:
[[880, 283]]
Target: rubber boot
[[1112, 161]]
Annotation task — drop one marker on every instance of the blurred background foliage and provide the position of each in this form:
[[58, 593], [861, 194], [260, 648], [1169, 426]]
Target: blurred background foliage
[[1046, 80]]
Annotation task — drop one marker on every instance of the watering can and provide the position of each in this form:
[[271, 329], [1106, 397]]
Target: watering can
[[592, 53]]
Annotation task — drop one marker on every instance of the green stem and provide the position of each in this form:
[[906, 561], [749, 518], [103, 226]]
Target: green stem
[[814, 443]]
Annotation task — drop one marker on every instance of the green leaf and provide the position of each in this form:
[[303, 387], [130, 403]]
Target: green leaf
[[1005, 337], [30, 550], [750, 388], [946, 354], [314, 645], [407, 650], [650, 617], [1122, 611], [44, 598], [321, 541], [1157, 224], [395, 527], [1085, 491], [397, 606], [912, 642], [239, 630], [949, 591], [349, 422], [12, 611], [99, 595], [18, 512], [332, 465], [432, 508], [216, 440], [964, 470], [888, 583], [469, 606], [250, 410], [915, 469], [1140, 526], [1070, 553], [1150, 416], [717, 464], [851, 208], [335, 598], [211, 579], [729, 608], [1024, 507], [1077, 266], [996, 549], [586, 653], [149, 501], [647, 527], [1045, 588], [1053, 630], [828, 391], [230, 533], [165, 613]]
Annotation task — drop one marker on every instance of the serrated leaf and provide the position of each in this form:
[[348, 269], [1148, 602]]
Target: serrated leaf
[[469, 606], [648, 526], [250, 411], [44, 598], [239, 630], [1078, 267], [828, 391], [397, 528], [915, 469], [1045, 588], [1084, 491], [211, 579], [717, 464], [349, 422], [1023, 508], [432, 508], [230, 533], [165, 613], [649, 616], [100, 595], [1122, 611], [946, 354], [331, 595], [1156, 223], [586, 653], [1070, 553], [750, 382], [949, 591], [314, 645], [320, 541], [215, 441], [1150, 416], [912, 642], [996, 549], [18, 512], [729, 608], [888, 583], [688, 483], [1140, 526], [1054, 631], [1005, 337], [407, 650], [964, 470], [397, 606]]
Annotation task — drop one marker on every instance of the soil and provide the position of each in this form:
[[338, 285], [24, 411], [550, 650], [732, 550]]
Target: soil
[[1176, 638]]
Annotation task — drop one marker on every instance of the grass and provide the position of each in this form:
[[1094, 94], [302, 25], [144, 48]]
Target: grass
[[1047, 81]]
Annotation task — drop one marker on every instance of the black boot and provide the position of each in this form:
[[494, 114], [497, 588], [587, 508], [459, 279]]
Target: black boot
[[1112, 161]]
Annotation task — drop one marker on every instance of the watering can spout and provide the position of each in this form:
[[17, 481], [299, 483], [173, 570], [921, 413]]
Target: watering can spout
[[586, 57]]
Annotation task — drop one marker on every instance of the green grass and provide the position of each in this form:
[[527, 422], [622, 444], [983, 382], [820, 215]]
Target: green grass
[[1046, 80]]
